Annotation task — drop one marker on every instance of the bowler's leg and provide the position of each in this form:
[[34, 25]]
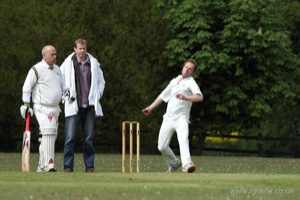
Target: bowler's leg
[[165, 135], [182, 129]]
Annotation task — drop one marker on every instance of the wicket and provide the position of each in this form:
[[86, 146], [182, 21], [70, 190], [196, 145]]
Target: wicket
[[131, 123]]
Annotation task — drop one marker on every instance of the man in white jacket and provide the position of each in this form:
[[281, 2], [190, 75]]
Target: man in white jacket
[[44, 85], [83, 76]]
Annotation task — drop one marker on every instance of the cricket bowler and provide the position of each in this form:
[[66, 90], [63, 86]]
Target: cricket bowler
[[181, 92]]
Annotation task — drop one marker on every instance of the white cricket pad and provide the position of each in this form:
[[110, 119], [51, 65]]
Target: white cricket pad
[[47, 148], [48, 145]]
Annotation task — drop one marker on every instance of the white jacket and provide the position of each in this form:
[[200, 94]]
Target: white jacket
[[96, 90]]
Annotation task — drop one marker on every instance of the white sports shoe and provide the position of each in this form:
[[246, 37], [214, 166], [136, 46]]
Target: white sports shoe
[[174, 167], [49, 168], [39, 169], [189, 168]]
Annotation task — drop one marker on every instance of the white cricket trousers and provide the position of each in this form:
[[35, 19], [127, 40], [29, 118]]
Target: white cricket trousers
[[167, 129], [47, 118]]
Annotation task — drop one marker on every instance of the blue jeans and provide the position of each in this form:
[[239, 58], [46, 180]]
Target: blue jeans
[[87, 118]]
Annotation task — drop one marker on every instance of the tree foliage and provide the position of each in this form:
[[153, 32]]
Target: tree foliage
[[247, 51], [127, 37], [245, 60]]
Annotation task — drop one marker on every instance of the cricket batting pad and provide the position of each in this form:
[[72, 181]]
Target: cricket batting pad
[[47, 147]]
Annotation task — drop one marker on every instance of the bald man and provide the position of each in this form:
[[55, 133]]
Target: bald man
[[44, 86]]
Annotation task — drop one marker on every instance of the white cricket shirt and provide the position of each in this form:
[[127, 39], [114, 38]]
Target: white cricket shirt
[[177, 107], [46, 89]]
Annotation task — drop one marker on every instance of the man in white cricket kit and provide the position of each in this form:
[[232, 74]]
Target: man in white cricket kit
[[44, 85], [181, 92]]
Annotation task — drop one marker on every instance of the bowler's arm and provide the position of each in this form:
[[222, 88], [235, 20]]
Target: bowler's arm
[[146, 111], [193, 98]]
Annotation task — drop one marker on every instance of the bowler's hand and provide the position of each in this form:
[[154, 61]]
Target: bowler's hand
[[146, 111], [180, 96]]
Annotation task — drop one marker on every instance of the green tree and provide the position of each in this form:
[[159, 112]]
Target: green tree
[[248, 69], [245, 59], [289, 19], [131, 36], [284, 119], [127, 37]]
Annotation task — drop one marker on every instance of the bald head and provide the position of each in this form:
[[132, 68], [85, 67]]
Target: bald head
[[49, 55]]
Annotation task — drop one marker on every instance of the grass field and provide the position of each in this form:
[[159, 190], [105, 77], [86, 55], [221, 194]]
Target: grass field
[[215, 178]]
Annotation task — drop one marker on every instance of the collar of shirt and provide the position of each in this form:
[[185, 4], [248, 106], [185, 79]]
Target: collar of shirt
[[48, 66], [86, 61], [180, 79], [186, 78]]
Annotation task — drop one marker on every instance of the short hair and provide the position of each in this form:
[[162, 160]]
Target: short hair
[[80, 41], [46, 49], [191, 61]]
